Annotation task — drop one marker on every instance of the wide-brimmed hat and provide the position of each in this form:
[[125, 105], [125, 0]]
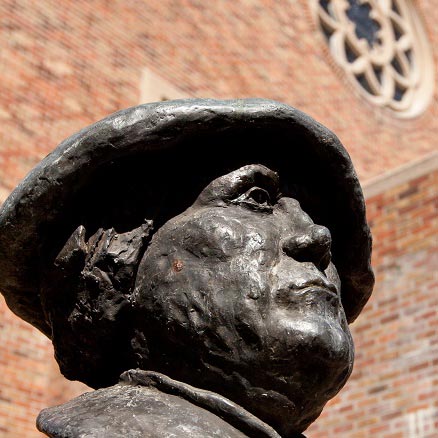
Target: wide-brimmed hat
[[151, 161]]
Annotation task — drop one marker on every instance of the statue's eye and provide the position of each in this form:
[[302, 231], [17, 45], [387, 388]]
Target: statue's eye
[[255, 198], [258, 195]]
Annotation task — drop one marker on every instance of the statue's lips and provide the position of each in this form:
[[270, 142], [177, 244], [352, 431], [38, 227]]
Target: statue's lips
[[319, 291], [316, 291]]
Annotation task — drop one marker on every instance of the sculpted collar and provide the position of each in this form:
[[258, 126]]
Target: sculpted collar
[[211, 401], [149, 404]]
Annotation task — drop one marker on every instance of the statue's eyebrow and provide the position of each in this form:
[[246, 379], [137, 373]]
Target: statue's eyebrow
[[234, 184], [254, 175]]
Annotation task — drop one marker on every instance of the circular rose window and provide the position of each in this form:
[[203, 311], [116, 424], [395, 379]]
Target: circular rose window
[[382, 47]]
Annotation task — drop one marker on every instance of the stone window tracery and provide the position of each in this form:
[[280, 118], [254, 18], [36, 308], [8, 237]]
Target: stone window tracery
[[382, 47]]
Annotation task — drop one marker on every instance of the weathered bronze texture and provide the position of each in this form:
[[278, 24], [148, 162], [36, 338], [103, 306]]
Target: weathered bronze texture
[[221, 246]]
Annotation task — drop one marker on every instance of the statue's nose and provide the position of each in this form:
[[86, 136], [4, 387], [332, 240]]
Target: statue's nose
[[312, 245]]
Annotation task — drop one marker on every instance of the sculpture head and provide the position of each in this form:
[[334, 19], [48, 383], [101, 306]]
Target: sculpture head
[[232, 283], [240, 292]]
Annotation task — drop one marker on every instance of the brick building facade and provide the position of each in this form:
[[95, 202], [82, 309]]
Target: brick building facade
[[64, 65]]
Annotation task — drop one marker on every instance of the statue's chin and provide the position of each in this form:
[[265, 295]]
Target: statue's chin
[[315, 358], [303, 335], [304, 370]]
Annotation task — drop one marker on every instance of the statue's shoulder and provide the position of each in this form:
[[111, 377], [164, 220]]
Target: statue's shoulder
[[127, 410], [150, 404]]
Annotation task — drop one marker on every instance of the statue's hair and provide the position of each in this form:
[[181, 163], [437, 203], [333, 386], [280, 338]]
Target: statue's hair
[[86, 297]]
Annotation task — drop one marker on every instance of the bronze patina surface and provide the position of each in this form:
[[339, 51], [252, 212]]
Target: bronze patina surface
[[219, 246]]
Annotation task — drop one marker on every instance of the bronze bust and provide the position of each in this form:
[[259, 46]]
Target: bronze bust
[[211, 253]]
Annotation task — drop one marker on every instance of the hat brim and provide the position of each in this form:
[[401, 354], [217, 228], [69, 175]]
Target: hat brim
[[144, 160]]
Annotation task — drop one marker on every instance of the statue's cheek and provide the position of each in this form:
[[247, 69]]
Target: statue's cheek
[[209, 238]]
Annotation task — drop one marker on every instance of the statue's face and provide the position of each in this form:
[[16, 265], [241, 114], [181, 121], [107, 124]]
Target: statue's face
[[242, 286]]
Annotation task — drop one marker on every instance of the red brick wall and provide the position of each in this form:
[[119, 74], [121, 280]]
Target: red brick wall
[[66, 64]]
